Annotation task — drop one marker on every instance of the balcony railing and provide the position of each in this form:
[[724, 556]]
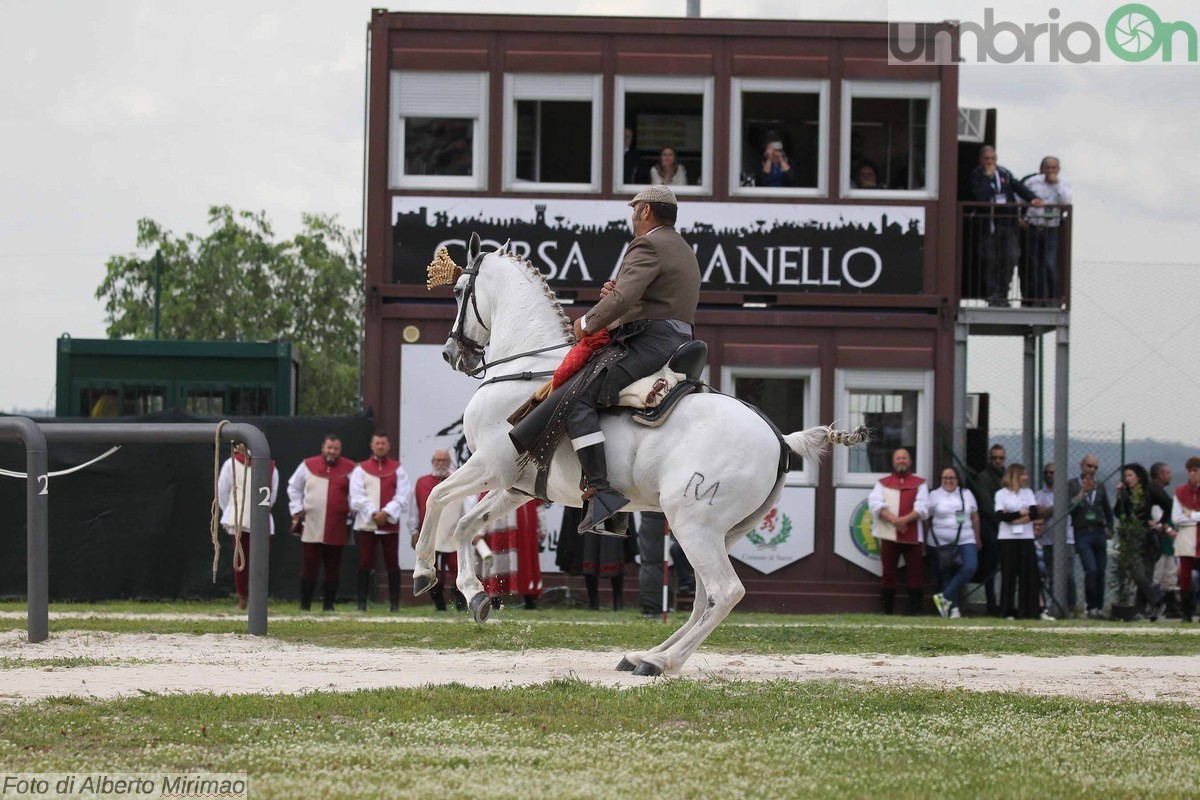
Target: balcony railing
[[1015, 256]]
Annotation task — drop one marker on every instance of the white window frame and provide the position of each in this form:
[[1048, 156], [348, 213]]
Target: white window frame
[[809, 473], [817, 87], [549, 88], [920, 380], [397, 178], [905, 90], [663, 84]]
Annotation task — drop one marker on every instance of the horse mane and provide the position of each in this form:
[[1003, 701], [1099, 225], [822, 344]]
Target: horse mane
[[568, 327]]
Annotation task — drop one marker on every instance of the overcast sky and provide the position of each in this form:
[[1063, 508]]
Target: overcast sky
[[121, 110]]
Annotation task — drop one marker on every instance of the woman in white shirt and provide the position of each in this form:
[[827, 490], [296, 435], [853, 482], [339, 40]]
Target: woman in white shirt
[[1016, 508], [954, 515], [668, 170]]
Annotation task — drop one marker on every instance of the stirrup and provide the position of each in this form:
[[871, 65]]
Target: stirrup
[[602, 506]]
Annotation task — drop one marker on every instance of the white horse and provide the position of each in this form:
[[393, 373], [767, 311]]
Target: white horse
[[713, 467]]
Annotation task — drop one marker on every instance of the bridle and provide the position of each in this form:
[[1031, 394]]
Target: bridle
[[470, 346]]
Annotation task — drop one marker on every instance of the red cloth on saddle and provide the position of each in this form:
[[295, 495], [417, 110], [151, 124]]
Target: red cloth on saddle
[[578, 355]]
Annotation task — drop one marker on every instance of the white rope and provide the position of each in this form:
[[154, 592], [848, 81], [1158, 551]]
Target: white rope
[[10, 474]]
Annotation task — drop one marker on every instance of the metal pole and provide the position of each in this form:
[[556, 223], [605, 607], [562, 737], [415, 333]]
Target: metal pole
[[693, 8], [666, 569], [1041, 404], [37, 506], [962, 332], [1123, 461], [194, 433], [1061, 501], [157, 288], [1028, 406]]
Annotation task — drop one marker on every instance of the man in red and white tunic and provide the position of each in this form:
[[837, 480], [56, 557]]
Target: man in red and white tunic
[[514, 567], [897, 504], [319, 498], [444, 545], [1185, 513], [379, 497], [233, 484]]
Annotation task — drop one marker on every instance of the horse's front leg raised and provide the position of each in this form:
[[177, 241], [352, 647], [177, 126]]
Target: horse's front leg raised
[[494, 505], [468, 480]]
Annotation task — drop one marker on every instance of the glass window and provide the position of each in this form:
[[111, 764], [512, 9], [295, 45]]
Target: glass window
[[665, 133], [896, 405], [552, 132], [204, 401], [891, 415], [436, 129], [99, 402], [779, 139], [144, 399], [787, 395], [889, 139], [250, 401]]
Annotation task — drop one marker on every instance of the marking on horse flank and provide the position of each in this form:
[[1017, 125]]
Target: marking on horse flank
[[698, 479]]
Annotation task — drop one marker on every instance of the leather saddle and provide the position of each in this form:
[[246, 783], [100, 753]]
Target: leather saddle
[[686, 365]]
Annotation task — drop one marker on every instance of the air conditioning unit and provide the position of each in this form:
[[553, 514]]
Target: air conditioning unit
[[972, 123]]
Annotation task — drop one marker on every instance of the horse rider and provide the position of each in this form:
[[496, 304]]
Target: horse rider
[[650, 309]]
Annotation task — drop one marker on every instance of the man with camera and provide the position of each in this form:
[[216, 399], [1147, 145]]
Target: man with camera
[[1092, 518], [775, 171]]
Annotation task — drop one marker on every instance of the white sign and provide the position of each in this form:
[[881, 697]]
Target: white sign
[[784, 536], [852, 537]]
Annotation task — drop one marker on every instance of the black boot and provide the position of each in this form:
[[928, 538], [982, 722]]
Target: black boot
[[439, 598], [329, 594], [915, 598], [1189, 606], [603, 502], [531, 602], [618, 589], [364, 586], [307, 587], [592, 582], [393, 592], [889, 601]]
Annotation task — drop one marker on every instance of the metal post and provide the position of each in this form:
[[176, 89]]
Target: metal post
[[1027, 422], [693, 8], [962, 332], [1061, 501], [194, 433], [37, 505], [157, 288], [1123, 461], [1041, 405]]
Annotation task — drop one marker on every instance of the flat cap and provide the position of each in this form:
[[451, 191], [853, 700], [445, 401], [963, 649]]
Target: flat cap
[[655, 194]]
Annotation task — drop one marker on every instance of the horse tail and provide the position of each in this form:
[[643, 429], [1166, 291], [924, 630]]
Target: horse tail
[[813, 443]]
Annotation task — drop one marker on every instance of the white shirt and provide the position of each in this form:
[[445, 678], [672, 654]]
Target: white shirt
[[1054, 194], [1008, 500], [944, 508], [1045, 497], [363, 504], [227, 482]]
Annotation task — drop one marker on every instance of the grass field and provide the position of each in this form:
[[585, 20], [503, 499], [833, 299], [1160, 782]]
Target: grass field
[[692, 738]]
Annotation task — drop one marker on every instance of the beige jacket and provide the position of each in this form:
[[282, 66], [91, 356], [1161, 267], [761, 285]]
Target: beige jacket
[[659, 279]]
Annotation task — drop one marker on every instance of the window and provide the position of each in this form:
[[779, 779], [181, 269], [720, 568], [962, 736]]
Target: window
[[437, 135], [788, 397], [896, 406], [215, 399], [779, 137], [665, 127], [889, 139], [552, 132], [207, 401], [250, 401]]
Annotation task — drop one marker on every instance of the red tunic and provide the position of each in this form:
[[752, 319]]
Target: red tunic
[[326, 500], [424, 486], [383, 488], [516, 568], [907, 485]]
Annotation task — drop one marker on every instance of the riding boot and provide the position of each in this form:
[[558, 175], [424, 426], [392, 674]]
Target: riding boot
[[364, 586], [393, 592], [603, 502], [307, 587], [1189, 606], [328, 595], [915, 598], [618, 590], [439, 598], [592, 582], [889, 601]]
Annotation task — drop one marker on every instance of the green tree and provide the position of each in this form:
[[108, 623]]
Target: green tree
[[239, 283]]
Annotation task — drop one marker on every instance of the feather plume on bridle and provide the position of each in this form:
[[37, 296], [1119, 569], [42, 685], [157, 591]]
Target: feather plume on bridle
[[442, 271]]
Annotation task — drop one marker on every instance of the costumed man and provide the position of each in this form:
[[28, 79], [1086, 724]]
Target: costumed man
[[319, 500], [379, 493], [514, 540], [233, 484], [1185, 513], [897, 502], [649, 312], [446, 564]]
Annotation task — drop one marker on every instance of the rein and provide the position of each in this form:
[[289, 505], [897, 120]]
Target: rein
[[483, 365]]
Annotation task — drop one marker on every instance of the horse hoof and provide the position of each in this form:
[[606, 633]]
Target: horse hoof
[[648, 670], [481, 606], [626, 665], [422, 584]]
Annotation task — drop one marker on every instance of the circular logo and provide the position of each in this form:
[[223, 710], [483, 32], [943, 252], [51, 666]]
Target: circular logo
[[861, 522], [1132, 32]]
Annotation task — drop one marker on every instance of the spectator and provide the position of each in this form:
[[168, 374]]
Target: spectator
[[996, 231], [1040, 283], [1016, 508], [987, 482], [631, 172], [515, 540], [1166, 566], [379, 493], [319, 499], [776, 170], [1045, 499], [1092, 519], [954, 516], [234, 483], [651, 535], [444, 544], [866, 176], [594, 557], [1131, 507], [1185, 513], [668, 171], [897, 503]]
